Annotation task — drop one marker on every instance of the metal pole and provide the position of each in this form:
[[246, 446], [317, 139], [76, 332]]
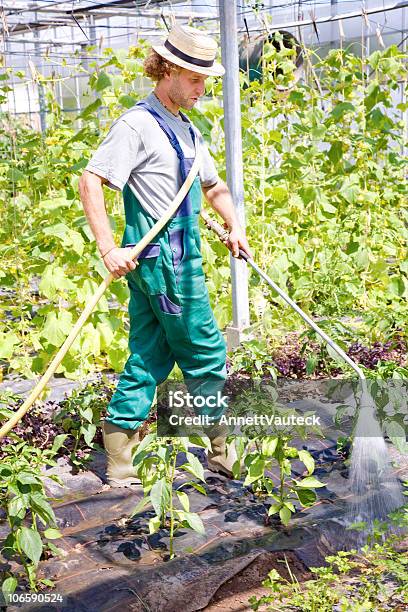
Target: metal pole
[[333, 34], [235, 174], [92, 30], [403, 86], [40, 88]]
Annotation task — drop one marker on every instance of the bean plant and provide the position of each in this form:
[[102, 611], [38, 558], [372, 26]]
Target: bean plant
[[325, 192]]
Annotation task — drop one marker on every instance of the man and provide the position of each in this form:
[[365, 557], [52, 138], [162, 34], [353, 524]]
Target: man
[[147, 154]]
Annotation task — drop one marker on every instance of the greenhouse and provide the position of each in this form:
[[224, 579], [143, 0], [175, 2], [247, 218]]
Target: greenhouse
[[203, 323]]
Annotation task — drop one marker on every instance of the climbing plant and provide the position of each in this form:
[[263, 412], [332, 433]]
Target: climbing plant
[[325, 193]]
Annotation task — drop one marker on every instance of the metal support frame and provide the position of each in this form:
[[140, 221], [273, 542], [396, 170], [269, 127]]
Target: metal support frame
[[235, 175]]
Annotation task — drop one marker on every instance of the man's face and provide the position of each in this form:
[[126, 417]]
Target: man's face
[[185, 87]]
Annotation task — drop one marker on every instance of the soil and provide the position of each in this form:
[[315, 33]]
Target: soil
[[234, 594]]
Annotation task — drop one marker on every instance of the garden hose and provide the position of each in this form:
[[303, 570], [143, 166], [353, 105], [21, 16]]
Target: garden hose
[[223, 236], [8, 425]]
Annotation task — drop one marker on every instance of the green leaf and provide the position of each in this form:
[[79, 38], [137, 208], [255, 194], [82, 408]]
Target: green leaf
[[15, 175], [52, 534], [17, 507], [127, 101], [334, 354], [89, 433], [350, 188], [27, 478], [326, 206], [308, 460], [68, 236], [204, 442], [203, 124], [55, 550], [105, 333], [7, 344], [255, 471], [310, 482], [194, 466], [195, 485], [396, 285], [90, 109], [278, 194], [336, 152], [307, 497], [102, 81], [274, 136], [30, 543], [154, 524], [144, 444], [9, 585], [269, 445], [285, 515], [120, 290], [57, 327], [54, 281], [340, 109], [274, 509], [58, 442], [41, 506], [397, 435], [160, 496], [311, 364], [184, 500], [140, 506], [87, 414], [194, 522]]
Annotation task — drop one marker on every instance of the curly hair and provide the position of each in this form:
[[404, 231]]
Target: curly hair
[[155, 66]]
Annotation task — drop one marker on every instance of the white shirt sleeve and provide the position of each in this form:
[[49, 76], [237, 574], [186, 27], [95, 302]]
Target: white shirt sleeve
[[118, 154]]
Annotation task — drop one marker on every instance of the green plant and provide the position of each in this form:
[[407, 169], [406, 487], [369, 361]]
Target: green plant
[[266, 444], [388, 396], [29, 515], [80, 416], [385, 370], [375, 578], [253, 356], [325, 356], [287, 490], [155, 463], [325, 195]]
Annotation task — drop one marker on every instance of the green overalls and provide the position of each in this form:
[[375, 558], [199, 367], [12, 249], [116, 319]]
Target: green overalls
[[169, 310]]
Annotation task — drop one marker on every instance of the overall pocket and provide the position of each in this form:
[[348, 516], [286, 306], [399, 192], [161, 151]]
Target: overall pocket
[[148, 274], [178, 249]]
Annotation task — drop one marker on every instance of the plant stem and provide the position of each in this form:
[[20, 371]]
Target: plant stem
[[172, 471]]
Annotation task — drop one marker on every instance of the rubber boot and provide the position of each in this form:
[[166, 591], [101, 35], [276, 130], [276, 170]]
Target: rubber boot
[[119, 444], [223, 455]]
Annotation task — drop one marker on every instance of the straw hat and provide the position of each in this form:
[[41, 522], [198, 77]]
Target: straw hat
[[191, 49]]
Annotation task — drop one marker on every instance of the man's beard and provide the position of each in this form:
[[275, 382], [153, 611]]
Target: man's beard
[[177, 98]]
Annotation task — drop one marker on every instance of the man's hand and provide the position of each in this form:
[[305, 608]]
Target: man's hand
[[237, 240], [118, 262], [219, 197]]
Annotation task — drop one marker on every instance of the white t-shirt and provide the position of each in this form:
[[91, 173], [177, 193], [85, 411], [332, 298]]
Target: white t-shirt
[[138, 152]]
